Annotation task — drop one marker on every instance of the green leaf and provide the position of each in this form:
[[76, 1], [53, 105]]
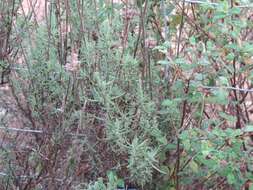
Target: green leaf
[[231, 178], [194, 166], [223, 81], [184, 64], [170, 146], [169, 9], [163, 48], [187, 144], [223, 7], [233, 132], [171, 102], [227, 117], [230, 56], [165, 168], [235, 10], [163, 62], [184, 135], [247, 48], [167, 102], [162, 139], [111, 176], [140, 3], [192, 40], [121, 183], [248, 128], [219, 16], [219, 97]]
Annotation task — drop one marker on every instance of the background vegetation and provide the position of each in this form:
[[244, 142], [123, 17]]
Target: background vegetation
[[100, 94]]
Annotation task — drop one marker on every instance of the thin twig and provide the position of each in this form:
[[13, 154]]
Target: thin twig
[[36, 131], [177, 166], [26, 176], [21, 176], [216, 4], [227, 88], [166, 37], [21, 130]]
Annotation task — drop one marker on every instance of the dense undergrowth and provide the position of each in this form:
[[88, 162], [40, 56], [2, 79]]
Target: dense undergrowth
[[105, 94]]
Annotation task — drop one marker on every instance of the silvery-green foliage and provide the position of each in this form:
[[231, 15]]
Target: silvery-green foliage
[[117, 134], [97, 185], [142, 159]]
